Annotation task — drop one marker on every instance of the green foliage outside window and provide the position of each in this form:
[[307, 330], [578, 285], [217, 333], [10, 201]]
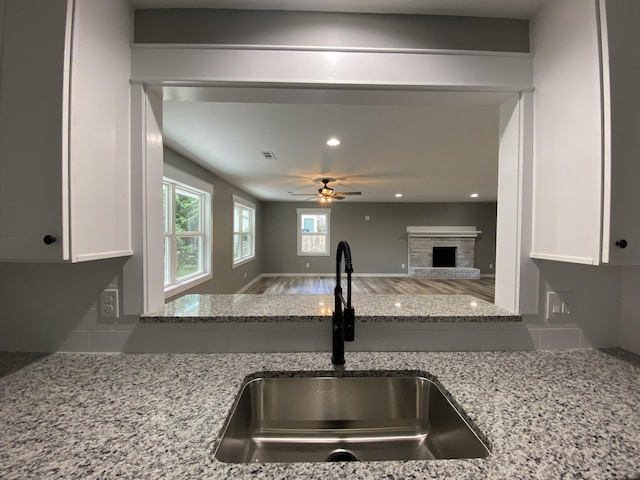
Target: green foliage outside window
[[183, 231], [243, 232], [188, 255], [187, 215]]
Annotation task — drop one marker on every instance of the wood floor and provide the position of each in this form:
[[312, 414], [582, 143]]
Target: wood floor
[[483, 288]]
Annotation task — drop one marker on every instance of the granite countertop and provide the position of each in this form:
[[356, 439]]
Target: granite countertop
[[200, 308], [565, 414]]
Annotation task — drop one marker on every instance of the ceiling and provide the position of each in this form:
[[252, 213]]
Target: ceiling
[[427, 146]]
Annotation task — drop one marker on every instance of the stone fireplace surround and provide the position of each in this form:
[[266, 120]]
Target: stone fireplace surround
[[422, 239]]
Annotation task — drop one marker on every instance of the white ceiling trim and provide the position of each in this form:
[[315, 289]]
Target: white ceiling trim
[[523, 9]]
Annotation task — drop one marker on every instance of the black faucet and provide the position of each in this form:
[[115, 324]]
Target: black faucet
[[343, 321]]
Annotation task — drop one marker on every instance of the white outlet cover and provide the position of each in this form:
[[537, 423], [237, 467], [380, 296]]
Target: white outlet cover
[[109, 304]]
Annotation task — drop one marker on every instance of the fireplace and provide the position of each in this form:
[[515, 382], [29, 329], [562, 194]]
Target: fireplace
[[444, 257], [442, 252]]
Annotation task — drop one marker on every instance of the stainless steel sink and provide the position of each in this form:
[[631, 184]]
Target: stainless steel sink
[[369, 416]]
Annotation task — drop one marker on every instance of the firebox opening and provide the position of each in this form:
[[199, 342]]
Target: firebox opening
[[444, 256]]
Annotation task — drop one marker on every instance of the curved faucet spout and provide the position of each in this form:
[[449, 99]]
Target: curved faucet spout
[[344, 249], [343, 321]]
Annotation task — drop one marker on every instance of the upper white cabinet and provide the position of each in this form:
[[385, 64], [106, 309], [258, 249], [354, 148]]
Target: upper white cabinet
[[587, 146], [65, 129]]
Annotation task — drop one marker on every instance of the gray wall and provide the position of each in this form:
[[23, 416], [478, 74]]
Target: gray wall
[[341, 30], [48, 307], [226, 279], [378, 245]]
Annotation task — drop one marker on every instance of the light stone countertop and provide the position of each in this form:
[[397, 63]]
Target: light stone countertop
[[199, 308], [547, 415]]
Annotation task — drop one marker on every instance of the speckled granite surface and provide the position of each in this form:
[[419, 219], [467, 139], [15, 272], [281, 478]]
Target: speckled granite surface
[[548, 415], [317, 308]]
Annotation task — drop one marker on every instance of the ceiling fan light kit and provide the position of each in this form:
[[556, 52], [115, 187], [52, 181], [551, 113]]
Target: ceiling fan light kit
[[326, 194]]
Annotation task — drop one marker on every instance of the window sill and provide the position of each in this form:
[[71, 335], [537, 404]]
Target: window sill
[[301, 254], [186, 285], [242, 262]]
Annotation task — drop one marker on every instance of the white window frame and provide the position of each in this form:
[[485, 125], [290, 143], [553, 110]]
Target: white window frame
[[239, 202], [189, 183], [314, 211]]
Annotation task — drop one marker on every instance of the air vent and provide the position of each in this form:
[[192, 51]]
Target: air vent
[[268, 155]]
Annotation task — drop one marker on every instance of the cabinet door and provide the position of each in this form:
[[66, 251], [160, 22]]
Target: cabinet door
[[621, 74], [33, 195], [100, 130], [567, 193]]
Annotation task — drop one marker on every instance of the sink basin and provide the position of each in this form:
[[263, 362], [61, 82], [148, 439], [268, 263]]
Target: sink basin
[[365, 416]]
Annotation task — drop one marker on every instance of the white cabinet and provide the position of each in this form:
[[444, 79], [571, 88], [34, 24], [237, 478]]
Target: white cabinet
[[65, 129], [587, 117]]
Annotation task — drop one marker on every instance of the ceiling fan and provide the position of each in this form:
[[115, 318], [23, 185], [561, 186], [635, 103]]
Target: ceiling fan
[[326, 194]]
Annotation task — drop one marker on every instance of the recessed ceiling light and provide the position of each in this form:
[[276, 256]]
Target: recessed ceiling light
[[333, 142], [398, 195], [474, 195]]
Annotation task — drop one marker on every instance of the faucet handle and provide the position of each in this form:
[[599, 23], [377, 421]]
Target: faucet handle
[[349, 323]]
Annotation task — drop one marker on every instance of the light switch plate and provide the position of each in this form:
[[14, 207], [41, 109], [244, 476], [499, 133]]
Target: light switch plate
[[558, 305]]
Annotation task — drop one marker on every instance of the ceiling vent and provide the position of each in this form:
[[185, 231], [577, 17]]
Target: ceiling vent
[[268, 155]]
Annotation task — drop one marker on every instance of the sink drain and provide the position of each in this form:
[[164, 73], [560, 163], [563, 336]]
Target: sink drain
[[341, 455]]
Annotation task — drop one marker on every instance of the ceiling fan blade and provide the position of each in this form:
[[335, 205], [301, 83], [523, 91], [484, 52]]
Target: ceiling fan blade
[[326, 193]]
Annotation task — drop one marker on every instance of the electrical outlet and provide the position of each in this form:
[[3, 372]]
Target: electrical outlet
[[402, 265], [109, 305], [307, 265]]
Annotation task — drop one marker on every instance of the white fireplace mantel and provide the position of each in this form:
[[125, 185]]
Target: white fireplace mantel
[[443, 231]]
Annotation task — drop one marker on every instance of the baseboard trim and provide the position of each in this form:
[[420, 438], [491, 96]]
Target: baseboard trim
[[250, 284], [488, 275]]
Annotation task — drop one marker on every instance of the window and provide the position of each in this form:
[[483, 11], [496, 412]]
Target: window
[[244, 226], [186, 206], [313, 231]]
